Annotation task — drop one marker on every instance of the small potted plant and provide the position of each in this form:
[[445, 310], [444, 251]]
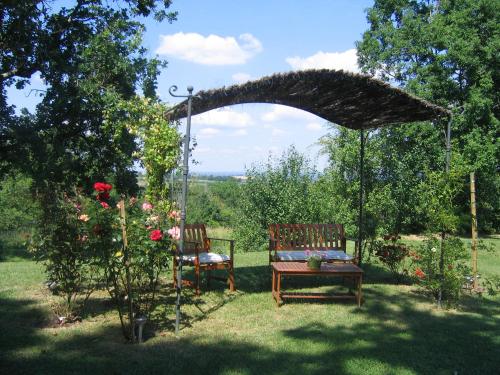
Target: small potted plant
[[314, 259]]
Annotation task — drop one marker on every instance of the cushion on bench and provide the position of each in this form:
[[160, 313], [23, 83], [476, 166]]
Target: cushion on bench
[[207, 258], [301, 255]]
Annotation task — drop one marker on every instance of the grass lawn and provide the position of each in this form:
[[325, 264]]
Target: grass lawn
[[396, 331]]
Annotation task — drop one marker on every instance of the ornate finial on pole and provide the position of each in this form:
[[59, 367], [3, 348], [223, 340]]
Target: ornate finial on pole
[[185, 171]]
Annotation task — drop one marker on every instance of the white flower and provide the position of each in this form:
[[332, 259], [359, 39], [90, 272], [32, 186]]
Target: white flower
[[433, 249]]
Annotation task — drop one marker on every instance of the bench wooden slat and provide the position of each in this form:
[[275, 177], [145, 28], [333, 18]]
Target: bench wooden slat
[[300, 237]]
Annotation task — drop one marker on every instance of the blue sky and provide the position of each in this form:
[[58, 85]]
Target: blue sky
[[224, 42]]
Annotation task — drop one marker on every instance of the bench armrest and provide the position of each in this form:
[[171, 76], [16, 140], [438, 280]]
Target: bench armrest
[[231, 245]]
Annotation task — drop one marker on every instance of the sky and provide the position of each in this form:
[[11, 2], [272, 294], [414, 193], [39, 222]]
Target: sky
[[225, 42]]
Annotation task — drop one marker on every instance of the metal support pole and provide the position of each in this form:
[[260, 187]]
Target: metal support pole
[[443, 234], [361, 193], [185, 172]]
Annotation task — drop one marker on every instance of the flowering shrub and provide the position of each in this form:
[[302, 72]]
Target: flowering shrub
[[393, 253], [88, 243], [140, 252], [455, 270], [69, 241]]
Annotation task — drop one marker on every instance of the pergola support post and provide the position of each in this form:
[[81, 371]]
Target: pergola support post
[[443, 234], [361, 194], [185, 172]]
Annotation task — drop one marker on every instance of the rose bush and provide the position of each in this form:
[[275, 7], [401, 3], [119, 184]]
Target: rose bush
[[393, 253], [137, 252], [455, 268], [90, 242]]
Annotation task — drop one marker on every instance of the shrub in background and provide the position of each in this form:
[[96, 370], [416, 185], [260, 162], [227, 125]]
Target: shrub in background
[[393, 253], [452, 278]]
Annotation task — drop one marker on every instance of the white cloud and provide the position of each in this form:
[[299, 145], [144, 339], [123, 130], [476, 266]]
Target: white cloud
[[346, 60], [280, 112], [277, 132], [224, 117], [314, 126], [241, 77], [208, 132], [36, 78], [211, 49], [203, 150], [240, 133]]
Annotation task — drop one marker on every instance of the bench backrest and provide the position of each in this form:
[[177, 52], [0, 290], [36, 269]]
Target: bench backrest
[[195, 235], [307, 236]]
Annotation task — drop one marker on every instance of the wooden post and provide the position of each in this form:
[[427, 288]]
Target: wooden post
[[474, 228], [126, 261]]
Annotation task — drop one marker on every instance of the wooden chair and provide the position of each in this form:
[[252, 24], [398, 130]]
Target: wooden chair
[[197, 253]]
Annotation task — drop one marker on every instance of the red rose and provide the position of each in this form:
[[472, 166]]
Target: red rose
[[104, 204], [102, 187], [419, 273], [156, 235]]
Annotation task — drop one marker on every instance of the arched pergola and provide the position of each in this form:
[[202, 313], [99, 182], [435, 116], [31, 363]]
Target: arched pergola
[[351, 100]]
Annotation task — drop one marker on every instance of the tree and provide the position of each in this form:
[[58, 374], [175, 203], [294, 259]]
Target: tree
[[278, 192], [447, 52], [90, 56]]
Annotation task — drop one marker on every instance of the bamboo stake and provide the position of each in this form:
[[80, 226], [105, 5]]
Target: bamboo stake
[[474, 228], [126, 261]]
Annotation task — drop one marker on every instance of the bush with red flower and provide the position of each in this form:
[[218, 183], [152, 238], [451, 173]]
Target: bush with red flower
[[455, 267], [393, 253], [138, 250], [84, 247]]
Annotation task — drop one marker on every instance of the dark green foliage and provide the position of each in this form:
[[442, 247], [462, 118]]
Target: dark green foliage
[[18, 208], [447, 52], [89, 55]]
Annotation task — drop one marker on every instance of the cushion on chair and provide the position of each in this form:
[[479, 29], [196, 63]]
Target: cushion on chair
[[301, 255], [207, 258]]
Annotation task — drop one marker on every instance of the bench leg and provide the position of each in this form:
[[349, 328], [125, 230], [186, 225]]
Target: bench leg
[[197, 279], [231, 278], [359, 294]]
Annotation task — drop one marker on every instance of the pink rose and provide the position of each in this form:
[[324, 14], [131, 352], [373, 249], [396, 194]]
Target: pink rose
[[174, 215], [146, 206], [175, 233], [104, 204], [84, 218]]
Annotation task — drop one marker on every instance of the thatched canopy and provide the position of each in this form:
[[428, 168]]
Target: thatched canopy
[[351, 100]]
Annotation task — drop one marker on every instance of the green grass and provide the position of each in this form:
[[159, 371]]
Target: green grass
[[396, 331]]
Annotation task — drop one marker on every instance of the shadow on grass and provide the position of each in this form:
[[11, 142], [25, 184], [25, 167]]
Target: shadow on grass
[[12, 246], [390, 339]]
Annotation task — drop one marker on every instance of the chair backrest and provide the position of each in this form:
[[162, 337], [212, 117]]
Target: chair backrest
[[195, 235], [307, 236]]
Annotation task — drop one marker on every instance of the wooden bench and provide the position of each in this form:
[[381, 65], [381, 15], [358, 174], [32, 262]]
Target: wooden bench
[[290, 242], [198, 254]]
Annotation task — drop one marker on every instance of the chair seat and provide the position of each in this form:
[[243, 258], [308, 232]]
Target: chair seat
[[300, 255], [207, 258]]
